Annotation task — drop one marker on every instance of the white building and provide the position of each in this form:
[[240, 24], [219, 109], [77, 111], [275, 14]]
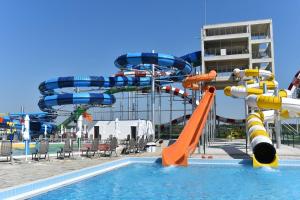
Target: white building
[[244, 45], [120, 129]]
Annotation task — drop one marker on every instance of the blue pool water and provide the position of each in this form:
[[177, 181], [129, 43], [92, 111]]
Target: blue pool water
[[203, 182]]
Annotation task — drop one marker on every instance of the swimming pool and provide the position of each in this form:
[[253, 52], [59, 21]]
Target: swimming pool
[[201, 180]]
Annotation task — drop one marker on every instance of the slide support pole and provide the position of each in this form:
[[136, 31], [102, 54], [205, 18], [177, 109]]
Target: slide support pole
[[277, 124]]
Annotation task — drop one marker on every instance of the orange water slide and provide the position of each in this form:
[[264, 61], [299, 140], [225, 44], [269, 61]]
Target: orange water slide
[[192, 82], [178, 152]]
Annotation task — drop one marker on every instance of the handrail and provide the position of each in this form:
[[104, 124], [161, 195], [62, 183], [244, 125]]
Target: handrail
[[290, 128], [290, 131]]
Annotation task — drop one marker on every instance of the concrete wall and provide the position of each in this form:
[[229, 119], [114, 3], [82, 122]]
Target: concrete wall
[[107, 128]]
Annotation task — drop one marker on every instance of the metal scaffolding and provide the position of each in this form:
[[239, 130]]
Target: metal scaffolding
[[170, 111]]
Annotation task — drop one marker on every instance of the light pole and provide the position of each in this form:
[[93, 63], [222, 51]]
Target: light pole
[[153, 96], [61, 132], [45, 131], [79, 132], [26, 134]]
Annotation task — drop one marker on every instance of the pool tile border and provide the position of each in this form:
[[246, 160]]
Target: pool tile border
[[40, 186]]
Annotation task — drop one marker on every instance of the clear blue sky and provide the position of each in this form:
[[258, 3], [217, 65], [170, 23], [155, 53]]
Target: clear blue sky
[[44, 39]]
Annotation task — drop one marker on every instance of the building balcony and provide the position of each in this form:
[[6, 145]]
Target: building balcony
[[226, 54], [226, 30], [259, 41], [225, 37], [225, 51], [262, 60]]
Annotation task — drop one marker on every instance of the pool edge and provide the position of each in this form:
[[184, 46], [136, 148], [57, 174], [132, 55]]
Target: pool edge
[[31, 189]]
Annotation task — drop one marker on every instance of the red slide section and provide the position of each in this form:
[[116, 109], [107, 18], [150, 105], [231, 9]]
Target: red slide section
[[178, 153]]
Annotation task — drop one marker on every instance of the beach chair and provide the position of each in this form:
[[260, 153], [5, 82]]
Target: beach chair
[[56, 138], [141, 144], [67, 149], [51, 138], [130, 147], [150, 138], [6, 149], [93, 149], [113, 144], [43, 149]]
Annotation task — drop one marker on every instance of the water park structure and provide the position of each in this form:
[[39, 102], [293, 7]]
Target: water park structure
[[246, 45], [264, 100], [162, 109]]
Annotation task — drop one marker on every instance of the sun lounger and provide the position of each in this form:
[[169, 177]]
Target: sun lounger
[[109, 147], [150, 138], [131, 147], [141, 145], [41, 150], [6, 149], [113, 146], [67, 149], [93, 149], [56, 138], [51, 138]]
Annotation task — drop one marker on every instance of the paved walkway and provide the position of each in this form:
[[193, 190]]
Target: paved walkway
[[22, 172]]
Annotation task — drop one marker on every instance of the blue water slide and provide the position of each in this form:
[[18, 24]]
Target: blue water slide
[[56, 99], [136, 59], [193, 58], [53, 96]]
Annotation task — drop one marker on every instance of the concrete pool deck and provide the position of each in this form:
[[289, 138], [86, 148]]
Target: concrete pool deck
[[236, 149], [21, 172]]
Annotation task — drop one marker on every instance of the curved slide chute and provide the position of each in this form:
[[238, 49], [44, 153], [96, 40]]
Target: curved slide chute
[[264, 153], [172, 68], [263, 149], [178, 152], [260, 96], [49, 101], [194, 59], [192, 82], [295, 83]]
